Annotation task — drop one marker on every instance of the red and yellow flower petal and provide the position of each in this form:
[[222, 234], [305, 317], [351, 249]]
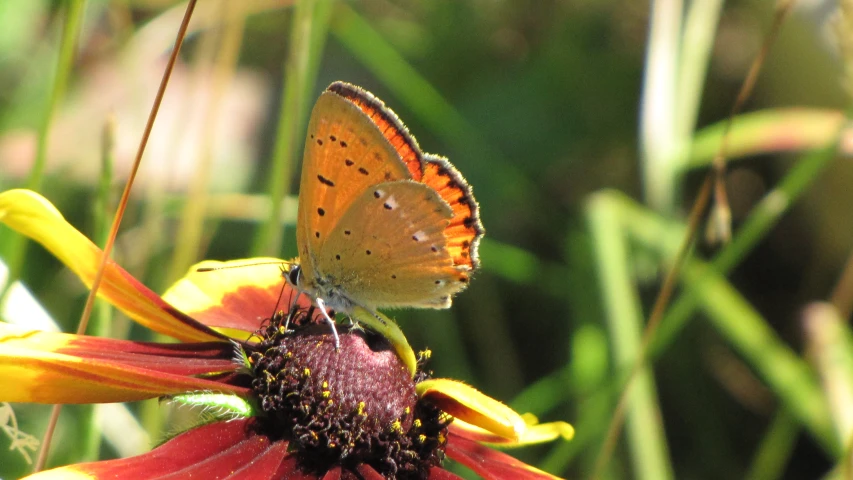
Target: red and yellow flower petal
[[535, 433], [218, 450], [488, 463], [238, 294], [470, 405], [32, 215], [46, 367]]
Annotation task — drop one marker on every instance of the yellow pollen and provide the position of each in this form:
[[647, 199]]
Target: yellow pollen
[[396, 426], [408, 410], [360, 408], [417, 423], [306, 372], [421, 438]]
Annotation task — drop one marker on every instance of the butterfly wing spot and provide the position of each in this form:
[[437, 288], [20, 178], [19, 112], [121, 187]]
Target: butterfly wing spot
[[325, 181], [317, 234], [321, 212], [434, 249], [319, 142], [390, 203], [363, 171], [393, 276], [368, 252], [343, 144], [332, 138], [337, 257], [377, 193], [349, 162], [347, 232]]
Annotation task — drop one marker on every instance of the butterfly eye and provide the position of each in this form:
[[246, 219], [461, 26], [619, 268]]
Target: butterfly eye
[[293, 275]]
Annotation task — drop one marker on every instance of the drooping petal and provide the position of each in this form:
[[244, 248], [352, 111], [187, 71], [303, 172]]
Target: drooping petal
[[470, 405], [488, 463], [238, 294], [535, 433], [215, 451], [32, 215], [46, 367]]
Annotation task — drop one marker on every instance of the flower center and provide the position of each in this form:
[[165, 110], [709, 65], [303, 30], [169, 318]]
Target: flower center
[[356, 405]]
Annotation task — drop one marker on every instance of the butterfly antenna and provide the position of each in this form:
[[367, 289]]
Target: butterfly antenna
[[322, 305], [227, 267]]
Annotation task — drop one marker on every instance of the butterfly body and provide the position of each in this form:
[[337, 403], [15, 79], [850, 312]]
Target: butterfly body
[[380, 224]]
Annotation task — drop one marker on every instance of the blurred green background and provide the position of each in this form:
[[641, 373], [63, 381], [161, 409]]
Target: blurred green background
[[548, 108]]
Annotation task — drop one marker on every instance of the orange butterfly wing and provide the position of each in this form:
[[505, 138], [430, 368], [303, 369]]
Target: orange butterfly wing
[[420, 253]]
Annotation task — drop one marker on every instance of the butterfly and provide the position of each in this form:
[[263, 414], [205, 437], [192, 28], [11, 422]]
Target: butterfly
[[380, 223]]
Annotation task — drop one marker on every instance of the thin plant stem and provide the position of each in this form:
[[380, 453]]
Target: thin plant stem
[[752, 230], [719, 224], [99, 274]]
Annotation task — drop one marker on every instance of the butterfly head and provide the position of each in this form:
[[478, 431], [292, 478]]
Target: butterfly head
[[292, 274]]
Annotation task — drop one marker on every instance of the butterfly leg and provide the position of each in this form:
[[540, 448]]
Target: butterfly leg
[[330, 321], [294, 307]]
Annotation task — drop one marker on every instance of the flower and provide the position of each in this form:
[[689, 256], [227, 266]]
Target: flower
[[298, 407]]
